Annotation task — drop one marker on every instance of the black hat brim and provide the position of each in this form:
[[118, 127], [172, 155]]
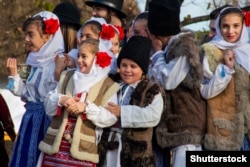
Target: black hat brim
[[107, 5]]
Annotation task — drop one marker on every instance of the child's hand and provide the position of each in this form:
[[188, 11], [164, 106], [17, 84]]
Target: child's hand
[[76, 108], [12, 66], [70, 61], [114, 109], [61, 63], [229, 59]]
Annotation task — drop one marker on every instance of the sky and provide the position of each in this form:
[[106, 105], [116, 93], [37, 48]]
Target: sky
[[197, 7]]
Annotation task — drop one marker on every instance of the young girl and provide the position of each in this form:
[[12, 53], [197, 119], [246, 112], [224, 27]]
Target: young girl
[[74, 132], [129, 142], [109, 36], [226, 87], [44, 40], [115, 47], [140, 24]]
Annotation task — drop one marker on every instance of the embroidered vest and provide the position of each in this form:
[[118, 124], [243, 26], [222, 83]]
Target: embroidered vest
[[83, 146]]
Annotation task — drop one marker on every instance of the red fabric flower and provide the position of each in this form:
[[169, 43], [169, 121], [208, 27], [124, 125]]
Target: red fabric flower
[[247, 18], [103, 59], [121, 32], [107, 32], [51, 26]]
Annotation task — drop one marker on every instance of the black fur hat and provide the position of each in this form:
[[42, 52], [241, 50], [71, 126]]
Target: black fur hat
[[115, 5], [68, 13], [137, 49], [164, 17]]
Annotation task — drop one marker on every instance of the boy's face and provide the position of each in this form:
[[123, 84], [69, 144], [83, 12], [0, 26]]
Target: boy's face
[[85, 58], [130, 71]]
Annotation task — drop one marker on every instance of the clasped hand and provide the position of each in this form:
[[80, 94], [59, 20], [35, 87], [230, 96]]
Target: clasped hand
[[73, 105]]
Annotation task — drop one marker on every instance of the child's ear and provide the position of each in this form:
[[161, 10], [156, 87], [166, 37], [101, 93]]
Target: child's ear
[[46, 37]]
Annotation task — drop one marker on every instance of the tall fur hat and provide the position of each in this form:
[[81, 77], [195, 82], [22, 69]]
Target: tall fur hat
[[68, 13], [164, 17], [137, 49]]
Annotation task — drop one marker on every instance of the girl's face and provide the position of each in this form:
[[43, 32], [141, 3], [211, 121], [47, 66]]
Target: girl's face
[[33, 39], [85, 58], [130, 71], [115, 44], [230, 27], [140, 27], [87, 33]]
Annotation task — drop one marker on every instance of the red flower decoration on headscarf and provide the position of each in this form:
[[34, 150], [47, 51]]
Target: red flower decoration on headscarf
[[247, 18], [121, 32], [103, 59], [51, 26], [107, 32]]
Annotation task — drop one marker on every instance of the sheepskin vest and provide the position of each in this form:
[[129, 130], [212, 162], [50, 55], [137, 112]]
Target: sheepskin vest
[[83, 143], [229, 112], [136, 142], [184, 120]]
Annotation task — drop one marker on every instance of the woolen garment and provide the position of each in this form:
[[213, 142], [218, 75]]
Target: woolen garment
[[165, 73], [164, 17], [68, 13], [184, 102], [228, 104], [144, 112], [100, 93]]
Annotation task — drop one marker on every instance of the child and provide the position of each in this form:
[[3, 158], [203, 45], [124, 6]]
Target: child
[[129, 142], [74, 132], [44, 40], [109, 36], [115, 47], [140, 24], [226, 85]]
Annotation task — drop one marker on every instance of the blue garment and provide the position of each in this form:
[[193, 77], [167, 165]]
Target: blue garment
[[32, 130], [246, 144], [162, 156]]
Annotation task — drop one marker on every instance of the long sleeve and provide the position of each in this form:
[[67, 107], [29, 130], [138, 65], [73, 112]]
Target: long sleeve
[[215, 83], [51, 102], [38, 84], [137, 117], [171, 74], [99, 115]]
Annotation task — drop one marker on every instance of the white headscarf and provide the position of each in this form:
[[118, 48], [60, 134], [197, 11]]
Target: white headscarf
[[50, 49], [241, 48], [83, 82]]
